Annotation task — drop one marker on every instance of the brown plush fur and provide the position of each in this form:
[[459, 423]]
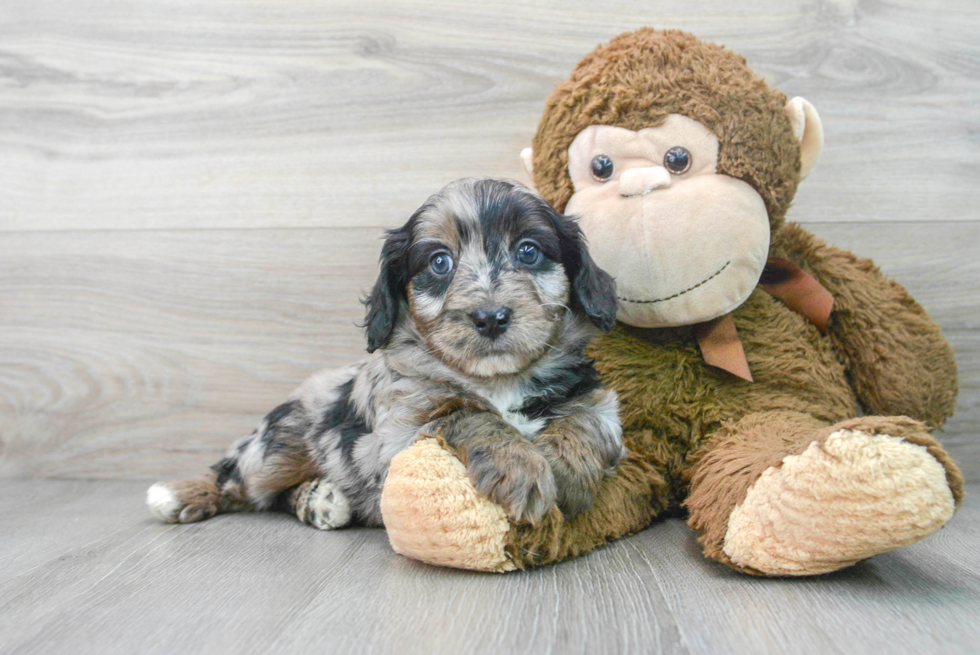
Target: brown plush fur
[[731, 463], [882, 353], [672, 403], [638, 79], [897, 358]]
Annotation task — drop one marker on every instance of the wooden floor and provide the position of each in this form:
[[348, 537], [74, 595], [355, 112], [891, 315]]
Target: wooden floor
[[83, 569], [191, 198]]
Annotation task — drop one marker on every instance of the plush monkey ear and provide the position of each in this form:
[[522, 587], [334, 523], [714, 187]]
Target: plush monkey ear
[[382, 304], [593, 290], [808, 131], [527, 160]]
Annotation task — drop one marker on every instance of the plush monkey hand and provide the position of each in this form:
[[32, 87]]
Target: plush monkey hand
[[433, 512]]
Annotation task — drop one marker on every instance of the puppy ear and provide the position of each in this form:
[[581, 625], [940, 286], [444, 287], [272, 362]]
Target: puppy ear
[[382, 304], [593, 290]]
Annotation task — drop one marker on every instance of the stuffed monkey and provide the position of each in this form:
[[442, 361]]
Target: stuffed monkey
[[779, 390]]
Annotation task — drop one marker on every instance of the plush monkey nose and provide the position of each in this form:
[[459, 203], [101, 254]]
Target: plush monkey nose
[[491, 323], [638, 181]]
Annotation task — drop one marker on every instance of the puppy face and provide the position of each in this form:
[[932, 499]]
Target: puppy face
[[488, 271]]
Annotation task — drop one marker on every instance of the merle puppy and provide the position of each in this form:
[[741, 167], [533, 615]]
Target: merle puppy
[[477, 323]]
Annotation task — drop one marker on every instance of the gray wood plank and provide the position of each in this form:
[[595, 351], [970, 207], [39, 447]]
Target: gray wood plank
[[191, 198], [919, 599], [172, 114], [264, 583], [304, 281], [43, 521], [143, 354]]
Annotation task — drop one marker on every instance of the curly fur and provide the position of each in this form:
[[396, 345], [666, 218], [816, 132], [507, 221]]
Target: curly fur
[[516, 402]]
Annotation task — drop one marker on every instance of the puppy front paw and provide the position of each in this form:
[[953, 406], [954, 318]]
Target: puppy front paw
[[578, 474], [515, 476], [577, 494]]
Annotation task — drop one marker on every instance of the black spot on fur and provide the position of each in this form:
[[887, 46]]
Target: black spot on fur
[[342, 418], [430, 284], [227, 469], [593, 290], [508, 216], [558, 386], [276, 416], [280, 435], [389, 289]]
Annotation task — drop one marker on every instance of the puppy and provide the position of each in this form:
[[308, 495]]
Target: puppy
[[477, 326]]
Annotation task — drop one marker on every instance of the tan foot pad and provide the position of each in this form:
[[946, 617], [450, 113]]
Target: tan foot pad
[[433, 514], [837, 503]]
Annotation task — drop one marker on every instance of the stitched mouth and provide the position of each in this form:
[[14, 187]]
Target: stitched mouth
[[679, 293]]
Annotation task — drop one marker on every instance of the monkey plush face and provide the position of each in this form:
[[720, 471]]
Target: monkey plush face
[[679, 163], [699, 239]]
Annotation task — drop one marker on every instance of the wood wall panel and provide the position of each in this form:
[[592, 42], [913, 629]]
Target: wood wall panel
[[164, 114], [192, 193], [142, 353]]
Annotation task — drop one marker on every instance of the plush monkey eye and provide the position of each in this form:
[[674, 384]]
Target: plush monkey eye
[[528, 253], [602, 167], [677, 160], [441, 263]]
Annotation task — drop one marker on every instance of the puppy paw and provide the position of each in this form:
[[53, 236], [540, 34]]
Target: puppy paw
[[183, 501], [578, 476], [323, 505], [577, 495], [515, 476]]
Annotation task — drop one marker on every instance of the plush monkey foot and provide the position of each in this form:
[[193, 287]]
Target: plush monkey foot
[[857, 493], [432, 512]]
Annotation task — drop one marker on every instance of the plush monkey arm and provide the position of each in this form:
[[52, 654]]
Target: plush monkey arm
[[433, 513], [898, 361]]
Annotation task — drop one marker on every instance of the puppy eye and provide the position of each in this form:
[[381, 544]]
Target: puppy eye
[[602, 167], [528, 253], [678, 160], [441, 263]]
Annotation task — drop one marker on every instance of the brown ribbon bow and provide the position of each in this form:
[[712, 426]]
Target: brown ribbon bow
[[783, 280]]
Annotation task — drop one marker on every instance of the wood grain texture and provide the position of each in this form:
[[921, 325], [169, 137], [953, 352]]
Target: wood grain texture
[[144, 354], [112, 580], [193, 192], [164, 114], [191, 199]]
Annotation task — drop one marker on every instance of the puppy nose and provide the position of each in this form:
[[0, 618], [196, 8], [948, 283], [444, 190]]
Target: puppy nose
[[638, 181], [491, 322]]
